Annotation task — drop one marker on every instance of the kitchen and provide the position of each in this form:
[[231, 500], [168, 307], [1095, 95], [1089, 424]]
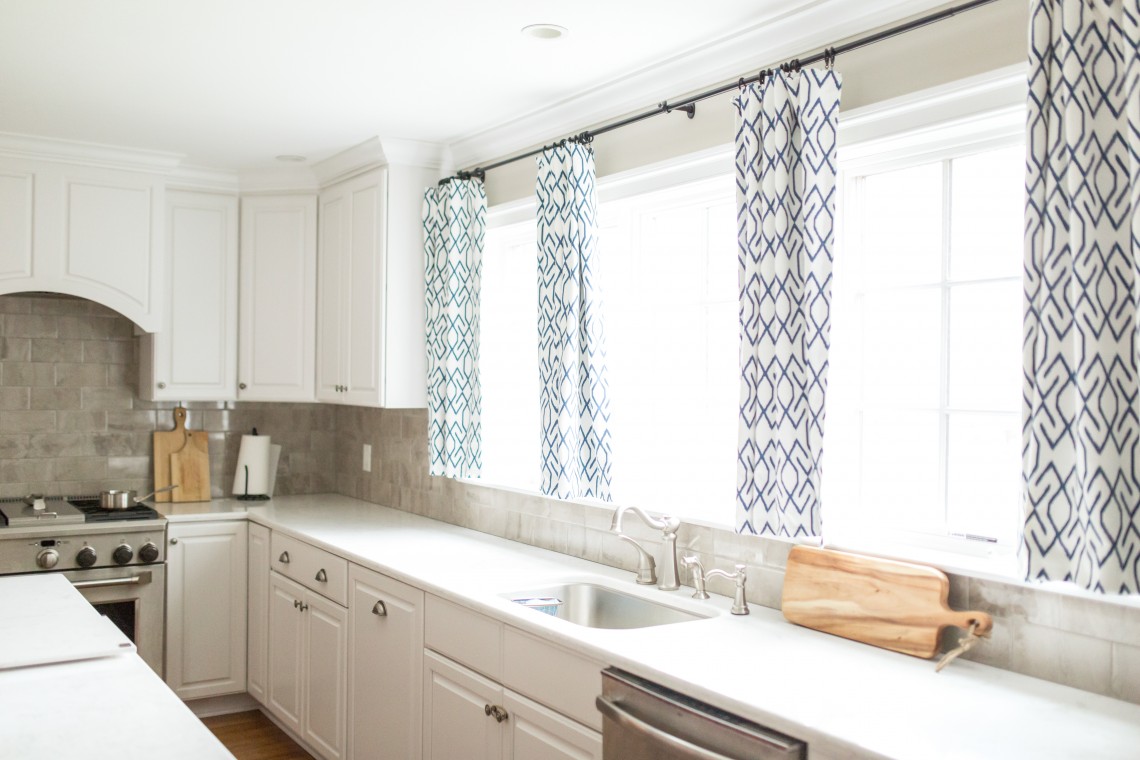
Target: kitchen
[[82, 397]]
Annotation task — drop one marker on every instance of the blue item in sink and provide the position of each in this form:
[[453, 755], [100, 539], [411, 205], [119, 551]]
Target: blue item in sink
[[545, 604]]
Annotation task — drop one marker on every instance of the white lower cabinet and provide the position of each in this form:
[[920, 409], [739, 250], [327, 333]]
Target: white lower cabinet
[[385, 658], [457, 722], [470, 716], [475, 669], [206, 608], [307, 665]]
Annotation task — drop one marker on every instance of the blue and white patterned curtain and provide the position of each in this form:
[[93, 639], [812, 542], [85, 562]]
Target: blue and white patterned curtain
[[574, 403], [454, 216], [785, 190], [1082, 287]]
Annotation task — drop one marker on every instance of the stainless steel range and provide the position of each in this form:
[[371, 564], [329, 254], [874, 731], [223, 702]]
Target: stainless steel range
[[115, 558]]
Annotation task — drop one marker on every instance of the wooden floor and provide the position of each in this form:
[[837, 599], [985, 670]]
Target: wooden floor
[[252, 736]]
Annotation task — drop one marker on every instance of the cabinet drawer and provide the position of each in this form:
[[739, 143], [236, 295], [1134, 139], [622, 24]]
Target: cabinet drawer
[[463, 635], [549, 674], [314, 568]]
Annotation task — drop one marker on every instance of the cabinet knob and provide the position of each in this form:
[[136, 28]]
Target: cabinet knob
[[284, 558], [304, 606], [379, 609], [296, 604], [173, 540], [162, 386], [321, 576], [241, 386]]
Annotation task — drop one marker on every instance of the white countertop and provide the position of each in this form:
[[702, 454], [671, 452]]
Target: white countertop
[[844, 698], [47, 621], [71, 684]]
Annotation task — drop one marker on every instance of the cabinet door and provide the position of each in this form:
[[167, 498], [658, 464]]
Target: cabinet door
[[206, 608], [385, 667], [277, 317], [258, 611], [285, 674], [537, 733], [364, 288], [331, 255], [326, 663], [456, 720], [17, 199], [195, 356]]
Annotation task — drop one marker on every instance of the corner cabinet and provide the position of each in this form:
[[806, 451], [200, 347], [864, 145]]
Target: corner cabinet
[[370, 304], [277, 317], [86, 231], [257, 649], [194, 356], [206, 608]]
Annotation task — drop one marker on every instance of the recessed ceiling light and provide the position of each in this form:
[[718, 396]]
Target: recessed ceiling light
[[545, 31], [291, 159]]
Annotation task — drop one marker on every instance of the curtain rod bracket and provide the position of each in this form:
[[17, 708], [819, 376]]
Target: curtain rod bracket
[[690, 109]]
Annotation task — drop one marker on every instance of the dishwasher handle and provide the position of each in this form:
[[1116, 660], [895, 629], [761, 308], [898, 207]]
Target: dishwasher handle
[[676, 746]]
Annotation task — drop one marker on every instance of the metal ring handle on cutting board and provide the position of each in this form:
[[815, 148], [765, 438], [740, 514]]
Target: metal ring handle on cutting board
[[680, 749]]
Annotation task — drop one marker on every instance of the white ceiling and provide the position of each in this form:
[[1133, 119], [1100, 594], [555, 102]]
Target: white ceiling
[[232, 83]]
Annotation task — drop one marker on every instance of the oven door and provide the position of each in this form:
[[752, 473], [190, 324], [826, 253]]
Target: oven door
[[134, 599]]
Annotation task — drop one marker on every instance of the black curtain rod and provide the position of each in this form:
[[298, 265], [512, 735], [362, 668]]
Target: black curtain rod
[[689, 104]]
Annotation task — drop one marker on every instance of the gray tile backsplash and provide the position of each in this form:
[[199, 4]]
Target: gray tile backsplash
[[70, 421]]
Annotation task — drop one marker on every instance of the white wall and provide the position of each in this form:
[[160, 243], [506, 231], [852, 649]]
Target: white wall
[[971, 43]]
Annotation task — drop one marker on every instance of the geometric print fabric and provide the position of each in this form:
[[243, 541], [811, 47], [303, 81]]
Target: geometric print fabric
[[1081, 437], [785, 189], [454, 219], [574, 398]]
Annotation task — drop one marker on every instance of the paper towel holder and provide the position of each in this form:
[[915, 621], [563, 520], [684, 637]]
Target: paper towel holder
[[247, 496]]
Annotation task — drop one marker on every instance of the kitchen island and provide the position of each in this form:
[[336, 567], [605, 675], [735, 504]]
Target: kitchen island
[[71, 685]]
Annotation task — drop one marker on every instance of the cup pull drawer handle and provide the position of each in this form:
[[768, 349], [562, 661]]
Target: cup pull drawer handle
[[380, 609], [284, 558], [321, 576]]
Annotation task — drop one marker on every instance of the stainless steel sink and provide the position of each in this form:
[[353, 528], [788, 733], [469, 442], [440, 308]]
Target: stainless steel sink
[[600, 607]]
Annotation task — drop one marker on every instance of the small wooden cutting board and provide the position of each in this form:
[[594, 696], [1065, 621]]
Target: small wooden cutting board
[[190, 468], [894, 605], [166, 442]]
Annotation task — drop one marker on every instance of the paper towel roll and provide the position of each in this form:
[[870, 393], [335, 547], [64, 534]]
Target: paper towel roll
[[252, 475]]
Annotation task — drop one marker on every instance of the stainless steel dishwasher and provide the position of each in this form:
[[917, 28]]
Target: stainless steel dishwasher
[[645, 721]]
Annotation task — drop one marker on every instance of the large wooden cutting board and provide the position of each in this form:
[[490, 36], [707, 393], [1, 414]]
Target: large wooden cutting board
[[894, 605], [166, 442], [190, 468]]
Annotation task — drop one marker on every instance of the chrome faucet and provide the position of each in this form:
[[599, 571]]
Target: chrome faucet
[[646, 568]]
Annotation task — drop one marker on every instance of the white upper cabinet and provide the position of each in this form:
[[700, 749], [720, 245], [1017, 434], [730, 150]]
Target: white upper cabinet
[[370, 317], [86, 231], [194, 356], [277, 322]]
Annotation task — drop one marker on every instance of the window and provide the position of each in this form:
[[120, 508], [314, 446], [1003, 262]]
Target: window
[[668, 278], [924, 393]]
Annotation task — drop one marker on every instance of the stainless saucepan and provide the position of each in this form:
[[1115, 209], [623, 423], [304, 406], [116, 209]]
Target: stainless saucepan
[[125, 499]]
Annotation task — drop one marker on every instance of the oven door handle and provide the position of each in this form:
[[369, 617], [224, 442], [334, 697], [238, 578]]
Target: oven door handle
[[134, 580]]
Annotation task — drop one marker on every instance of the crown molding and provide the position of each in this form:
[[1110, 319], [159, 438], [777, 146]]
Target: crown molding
[[811, 26], [38, 148], [205, 179]]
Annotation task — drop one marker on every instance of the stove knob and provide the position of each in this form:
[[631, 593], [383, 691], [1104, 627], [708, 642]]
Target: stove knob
[[148, 552], [123, 554], [86, 557], [47, 559]]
